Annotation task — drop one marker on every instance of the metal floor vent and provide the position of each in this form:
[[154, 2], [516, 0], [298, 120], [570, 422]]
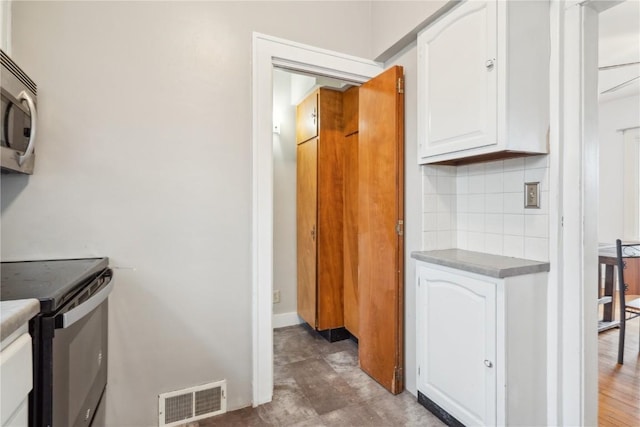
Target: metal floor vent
[[191, 404]]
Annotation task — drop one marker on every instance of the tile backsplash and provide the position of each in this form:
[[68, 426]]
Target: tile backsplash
[[480, 207]]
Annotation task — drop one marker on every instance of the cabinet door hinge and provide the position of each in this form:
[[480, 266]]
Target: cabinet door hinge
[[400, 227], [400, 85]]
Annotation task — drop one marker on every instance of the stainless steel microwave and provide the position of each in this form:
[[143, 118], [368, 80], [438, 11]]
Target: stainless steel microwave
[[18, 117]]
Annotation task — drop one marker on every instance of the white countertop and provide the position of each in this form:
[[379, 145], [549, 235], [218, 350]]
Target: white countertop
[[14, 314]]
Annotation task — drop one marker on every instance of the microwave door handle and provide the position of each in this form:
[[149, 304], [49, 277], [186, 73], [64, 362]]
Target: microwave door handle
[[24, 96], [86, 307]]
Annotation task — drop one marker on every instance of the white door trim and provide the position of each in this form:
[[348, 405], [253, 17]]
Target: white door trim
[[269, 52], [573, 338]]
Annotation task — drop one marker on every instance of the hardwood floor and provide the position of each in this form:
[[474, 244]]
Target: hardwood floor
[[619, 385]]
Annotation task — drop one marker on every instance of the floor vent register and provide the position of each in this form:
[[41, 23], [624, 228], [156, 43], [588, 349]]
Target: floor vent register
[[191, 404]]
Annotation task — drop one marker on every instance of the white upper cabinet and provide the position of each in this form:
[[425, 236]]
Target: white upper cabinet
[[483, 82]]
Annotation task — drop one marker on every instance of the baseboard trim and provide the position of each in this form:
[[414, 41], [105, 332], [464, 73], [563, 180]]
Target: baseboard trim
[[286, 319], [439, 412]]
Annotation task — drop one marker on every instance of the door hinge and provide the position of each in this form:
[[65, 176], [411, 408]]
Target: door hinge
[[418, 370], [400, 227], [400, 85]]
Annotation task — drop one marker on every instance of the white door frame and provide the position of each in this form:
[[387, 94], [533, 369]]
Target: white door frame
[[573, 337], [270, 52]]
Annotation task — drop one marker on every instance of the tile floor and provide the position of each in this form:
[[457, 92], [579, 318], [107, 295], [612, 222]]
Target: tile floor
[[318, 383]]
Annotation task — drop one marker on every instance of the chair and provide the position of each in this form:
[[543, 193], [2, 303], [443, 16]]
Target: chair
[[628, 309]]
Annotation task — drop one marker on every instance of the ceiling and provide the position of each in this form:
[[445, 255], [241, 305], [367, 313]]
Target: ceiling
[[619, 43]]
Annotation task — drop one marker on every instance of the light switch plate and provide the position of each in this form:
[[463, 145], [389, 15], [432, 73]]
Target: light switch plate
[[532, 195]]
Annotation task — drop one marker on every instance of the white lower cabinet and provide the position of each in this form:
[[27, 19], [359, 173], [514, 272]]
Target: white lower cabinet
[[16, 380], [481, 345]]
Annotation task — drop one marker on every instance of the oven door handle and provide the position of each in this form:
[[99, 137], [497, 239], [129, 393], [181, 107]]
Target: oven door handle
[[24, 96], [69, 318]]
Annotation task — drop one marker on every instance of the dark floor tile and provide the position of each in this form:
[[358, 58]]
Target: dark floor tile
[[403, 410], [289, 405], [239, 418], [355, 415], [324, 387]]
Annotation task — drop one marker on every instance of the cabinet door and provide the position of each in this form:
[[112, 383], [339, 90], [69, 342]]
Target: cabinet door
[[457, 87], [307, 119], [457, 344], [307, 203]]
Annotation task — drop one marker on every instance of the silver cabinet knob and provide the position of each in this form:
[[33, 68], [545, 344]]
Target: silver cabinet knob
[[488, 363], [490, 63]]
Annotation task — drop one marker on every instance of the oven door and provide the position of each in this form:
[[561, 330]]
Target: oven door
[[17, 139], [80, 348]]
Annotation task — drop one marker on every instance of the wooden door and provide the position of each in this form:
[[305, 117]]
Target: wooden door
[[380, 217], [307, 119], [350, 220], [307, 203], [458, 56]]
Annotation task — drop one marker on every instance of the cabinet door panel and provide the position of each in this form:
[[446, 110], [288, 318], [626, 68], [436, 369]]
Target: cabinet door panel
[[307, 119], [457, 316], [459, 93], [307, 203]]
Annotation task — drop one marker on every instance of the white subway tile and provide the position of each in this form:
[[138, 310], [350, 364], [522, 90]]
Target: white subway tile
[[429, 222], [514, 181], [476, 169], [493, 182], [494, 203], [446, 171], [476, 184], [493, 167], [462, 221], [444, 221], [494, 223], [540, 175], [462, 203], [462, 170], [462, 239], [493, 244], [429, 203], [476, 203], [513, 164], [429, 240], [462, 184], [513, 203], [429, 170], [475, 241], [429, 184], [513, 246], [536, 226], [445, 239], [445, 203], [446, 185], [536, 249], [514, 225], [475, 222]]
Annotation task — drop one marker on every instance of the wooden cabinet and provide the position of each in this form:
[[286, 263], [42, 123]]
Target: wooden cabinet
[[483, 83], [320, 210], [481, 346]]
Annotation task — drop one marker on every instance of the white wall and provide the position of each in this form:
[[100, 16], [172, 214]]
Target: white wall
[[284, 195], [396, 23], [144, 155], [616, 114]]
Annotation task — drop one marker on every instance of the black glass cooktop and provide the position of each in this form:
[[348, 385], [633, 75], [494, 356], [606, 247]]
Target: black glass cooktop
[[52, 282]]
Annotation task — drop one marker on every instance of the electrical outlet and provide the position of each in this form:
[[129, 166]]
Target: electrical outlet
[[276, 296], [532, 195]]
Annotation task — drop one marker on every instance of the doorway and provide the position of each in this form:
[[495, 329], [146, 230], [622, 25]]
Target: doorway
[[619, 161]]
